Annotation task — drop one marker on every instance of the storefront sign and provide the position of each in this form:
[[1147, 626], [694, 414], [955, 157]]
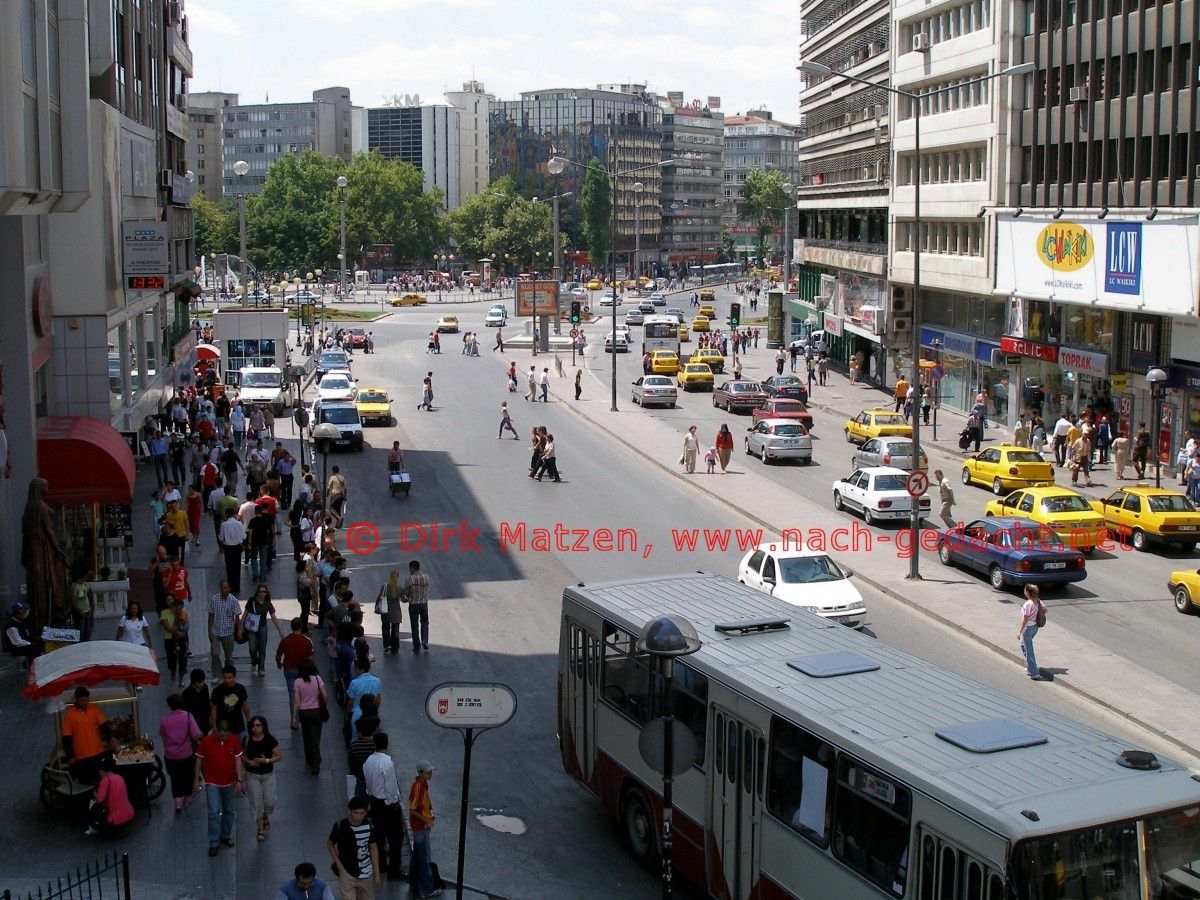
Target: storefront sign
[[1185, 340], [1083, 361], [986, 351], [1032, 349], [833, 324], [1185, 378], [1144, 337], [949, 341], [1125, 264], [1118, 383]]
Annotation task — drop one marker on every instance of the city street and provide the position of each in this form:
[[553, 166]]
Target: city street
[[495, 617]]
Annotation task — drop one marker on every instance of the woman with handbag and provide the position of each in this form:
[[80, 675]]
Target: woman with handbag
[[258, 609], [111, 810], [312, 706], [391, 613]]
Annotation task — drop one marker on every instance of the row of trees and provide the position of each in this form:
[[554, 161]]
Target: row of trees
[[293, 222]]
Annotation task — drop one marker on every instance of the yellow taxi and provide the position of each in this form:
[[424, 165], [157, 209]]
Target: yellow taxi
[[594, 284], [1068, 513], [645, 281], [448, 324], [374, 405], [1184, 585], [1143, 515], [710, 357], [695, 375], [664, 362], [684, 335], [707, 310], [1006, 466], [707, 294], [873, 423], [700, 323], [409, 300]]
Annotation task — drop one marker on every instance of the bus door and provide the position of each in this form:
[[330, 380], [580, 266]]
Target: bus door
[[735, 813], [580, 689]]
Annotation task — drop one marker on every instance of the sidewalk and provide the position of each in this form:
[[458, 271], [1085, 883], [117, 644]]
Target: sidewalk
[[949, 596]]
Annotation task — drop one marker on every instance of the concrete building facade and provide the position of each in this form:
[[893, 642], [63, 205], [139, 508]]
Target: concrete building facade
[[427, 137], [755, 141], [473, 103], [205, 117], [693, 134]]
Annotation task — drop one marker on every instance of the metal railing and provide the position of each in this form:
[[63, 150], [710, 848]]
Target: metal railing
[[107, 877], [855, 246]]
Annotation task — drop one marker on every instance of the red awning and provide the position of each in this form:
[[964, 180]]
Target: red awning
[[85, 461], [207, 351]]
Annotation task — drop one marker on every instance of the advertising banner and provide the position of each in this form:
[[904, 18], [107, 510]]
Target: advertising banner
[[1127, 264], [537, 298], [146, 247]]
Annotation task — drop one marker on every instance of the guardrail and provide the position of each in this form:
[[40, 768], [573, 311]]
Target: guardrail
[[107, 877]]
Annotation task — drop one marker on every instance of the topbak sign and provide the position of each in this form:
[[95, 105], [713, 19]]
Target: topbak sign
[[1065, 246]]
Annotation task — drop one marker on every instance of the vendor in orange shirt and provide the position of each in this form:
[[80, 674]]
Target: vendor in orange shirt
[[82, 742]]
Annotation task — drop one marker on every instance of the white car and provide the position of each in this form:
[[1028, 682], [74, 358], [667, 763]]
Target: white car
[[654, 390], [878, 492], [676, 312], [622, 345], [635, 317], [338, 385], [805, 578], [771, 439], [658, 298], [579, 293], [606, 299], [496, 316], [623, 332]]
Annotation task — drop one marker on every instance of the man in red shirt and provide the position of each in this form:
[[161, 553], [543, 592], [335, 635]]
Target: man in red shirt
[[292, 651], [219, 760]]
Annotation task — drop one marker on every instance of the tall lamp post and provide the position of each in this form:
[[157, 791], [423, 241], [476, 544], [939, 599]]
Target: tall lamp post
[[1157, 379], [665, 638], [240, 168], [915, 99], [787, 239], [556, 263], [342, 181], [323, 438], [638, 187], [556, 166]]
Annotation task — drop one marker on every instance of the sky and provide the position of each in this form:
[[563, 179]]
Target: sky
[[743, 51]]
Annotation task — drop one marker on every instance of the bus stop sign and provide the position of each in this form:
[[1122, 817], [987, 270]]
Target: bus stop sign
[[470, 705]]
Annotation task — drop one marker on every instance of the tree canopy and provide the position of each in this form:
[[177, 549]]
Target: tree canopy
[[764, 200], [215, 225], [596, 212], [498, 224]]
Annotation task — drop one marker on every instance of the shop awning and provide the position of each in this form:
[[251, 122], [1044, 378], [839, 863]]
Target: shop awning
[[85, 461], [207, 351]]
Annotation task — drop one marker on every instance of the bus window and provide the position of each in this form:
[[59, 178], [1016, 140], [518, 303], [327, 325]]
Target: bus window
[[995, 887], [948, 883], [689, 700], [798, 781], [719, 743], [731, 764], [871, 825], [627, 678], [748, 760], [974, 880], [762, 765], [928, 866]]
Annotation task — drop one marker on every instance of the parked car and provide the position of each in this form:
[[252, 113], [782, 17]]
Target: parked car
[[879, 493], [337, 386], [1011, 550], [772, 439], [738, 396], [789, 386], [805, 578], [1004, 467], [886, 451], [1184, 585], [782, 408], [654, 390], [344, 414], [331, 361]]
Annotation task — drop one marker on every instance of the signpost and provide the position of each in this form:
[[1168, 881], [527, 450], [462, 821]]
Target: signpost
[[469, 707], [917, 483]]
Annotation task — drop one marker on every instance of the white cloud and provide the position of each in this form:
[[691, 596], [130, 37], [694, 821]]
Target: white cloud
[[212, 21]]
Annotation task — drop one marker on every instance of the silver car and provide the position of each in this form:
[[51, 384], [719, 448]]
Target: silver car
[[635, 317], [771, 439], [886, 451], [654, 390]]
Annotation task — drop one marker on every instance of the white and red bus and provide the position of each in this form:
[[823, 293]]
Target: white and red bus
[[831, 766]]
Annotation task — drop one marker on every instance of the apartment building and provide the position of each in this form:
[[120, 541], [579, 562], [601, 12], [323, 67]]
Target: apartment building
[[205, 116], [693, 134], [755, 141]]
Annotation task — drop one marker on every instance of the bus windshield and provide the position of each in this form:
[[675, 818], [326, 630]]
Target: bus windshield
[[261, 379], [660, 333], [1103, 861], [661, 329]]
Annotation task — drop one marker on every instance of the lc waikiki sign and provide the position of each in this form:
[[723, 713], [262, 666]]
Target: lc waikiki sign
[[1123, 264]]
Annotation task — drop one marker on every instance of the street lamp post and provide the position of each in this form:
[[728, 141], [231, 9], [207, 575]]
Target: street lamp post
[[638, 187], [787, 240], [240, 168], [342, 181], [1157, 379], [815, 68], [664, 638], [556, 165], [323, 438]]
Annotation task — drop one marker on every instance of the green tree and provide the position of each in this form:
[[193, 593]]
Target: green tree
[[596, 212], [215, 225], [470, 225], [387, 204], [764, 200]]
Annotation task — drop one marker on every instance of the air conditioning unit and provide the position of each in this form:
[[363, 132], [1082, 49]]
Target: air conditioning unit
[[899, 302], [920, 42], [1078, 94], [901, 324], [165, 179]]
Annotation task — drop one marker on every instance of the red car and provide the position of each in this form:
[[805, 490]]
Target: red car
[[358, 337], [738, 396], [782, 408]]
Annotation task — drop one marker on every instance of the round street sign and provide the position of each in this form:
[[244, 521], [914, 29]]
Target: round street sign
[[470, 705], [574, 332], [917, 483], [301, 416]]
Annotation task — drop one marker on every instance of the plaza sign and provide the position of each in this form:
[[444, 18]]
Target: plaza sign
[[146, 247], [1131, 264]]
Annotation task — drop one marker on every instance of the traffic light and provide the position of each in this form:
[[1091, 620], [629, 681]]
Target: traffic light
[[576, 309], [735, 314]]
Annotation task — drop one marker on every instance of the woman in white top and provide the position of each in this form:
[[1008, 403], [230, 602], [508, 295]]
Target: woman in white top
[[133, 627], [691, 446], [1029, 629]]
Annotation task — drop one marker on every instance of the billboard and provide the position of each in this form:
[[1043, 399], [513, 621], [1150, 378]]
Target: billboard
[[1133, 264], [537, 298]]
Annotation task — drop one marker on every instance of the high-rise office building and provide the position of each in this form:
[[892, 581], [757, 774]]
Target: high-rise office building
[[426, 137], [693, 135], [205, 117], [474, 147]]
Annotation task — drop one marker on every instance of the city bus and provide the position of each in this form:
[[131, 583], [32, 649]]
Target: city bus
[[830, 765], [660, 333]]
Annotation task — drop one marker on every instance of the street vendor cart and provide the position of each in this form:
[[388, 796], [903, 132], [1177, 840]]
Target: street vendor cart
[[113, 671]]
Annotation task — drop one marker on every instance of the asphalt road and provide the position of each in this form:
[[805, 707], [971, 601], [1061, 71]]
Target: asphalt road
[[495, 614]]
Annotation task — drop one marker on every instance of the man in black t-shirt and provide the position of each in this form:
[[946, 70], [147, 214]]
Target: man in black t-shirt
[[259, 532], [354, 848], [230, 463], [231, 703]]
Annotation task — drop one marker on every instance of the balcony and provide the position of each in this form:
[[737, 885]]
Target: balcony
[[854, 256]]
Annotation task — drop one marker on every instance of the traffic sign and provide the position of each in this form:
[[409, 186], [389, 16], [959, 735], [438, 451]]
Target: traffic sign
[[574, 332], [917, 483]]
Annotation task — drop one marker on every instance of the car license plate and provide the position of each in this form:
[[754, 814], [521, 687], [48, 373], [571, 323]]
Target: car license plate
[[1187, 527], [1057, 565]]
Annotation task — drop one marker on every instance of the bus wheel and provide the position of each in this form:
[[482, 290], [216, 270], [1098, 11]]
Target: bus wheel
[[639, 827]]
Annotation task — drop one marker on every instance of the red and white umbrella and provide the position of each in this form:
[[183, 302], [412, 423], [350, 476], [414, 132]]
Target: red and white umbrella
[[88, 664], [207, 351]]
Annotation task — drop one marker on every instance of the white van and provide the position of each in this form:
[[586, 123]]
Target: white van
[[264, 386]]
